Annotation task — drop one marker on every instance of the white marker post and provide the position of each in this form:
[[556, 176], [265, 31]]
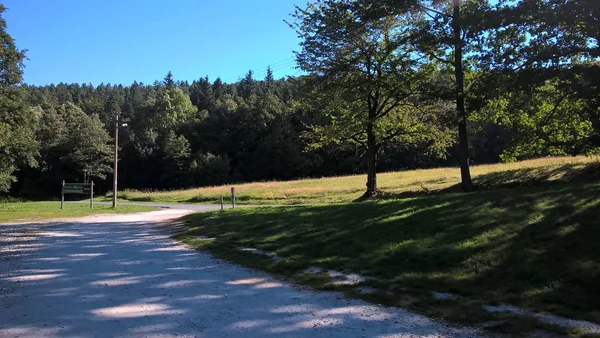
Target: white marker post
[[92, 196], [62, 195]]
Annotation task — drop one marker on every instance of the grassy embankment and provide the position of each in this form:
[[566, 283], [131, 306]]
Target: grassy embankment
[[12, 211], [394, 184], [534, 245]]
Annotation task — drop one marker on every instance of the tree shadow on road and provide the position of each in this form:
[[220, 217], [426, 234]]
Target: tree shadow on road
[[131, 279]]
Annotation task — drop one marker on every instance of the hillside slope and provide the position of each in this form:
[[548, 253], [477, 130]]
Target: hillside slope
[[394, 184], [535, 247], [526, 237]]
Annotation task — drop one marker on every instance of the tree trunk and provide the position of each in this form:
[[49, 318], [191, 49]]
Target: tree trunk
[[371, 163], [463, 142]]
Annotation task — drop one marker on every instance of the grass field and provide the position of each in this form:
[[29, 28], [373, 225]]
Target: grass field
[[19, 211], [533, 243], [395, 184]]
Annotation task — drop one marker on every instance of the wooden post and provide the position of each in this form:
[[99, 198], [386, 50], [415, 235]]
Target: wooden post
[[233, 197], [116, 159], [92, 196], [222, 202], [62, 195]]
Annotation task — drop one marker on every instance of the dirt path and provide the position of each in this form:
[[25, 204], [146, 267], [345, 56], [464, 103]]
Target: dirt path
[[122, 276]]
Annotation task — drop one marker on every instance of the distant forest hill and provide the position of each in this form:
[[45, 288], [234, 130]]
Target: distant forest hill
[[388, 85], [181, 135], [205, 133]]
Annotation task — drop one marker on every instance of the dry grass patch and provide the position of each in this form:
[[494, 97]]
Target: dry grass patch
[[394, 184]]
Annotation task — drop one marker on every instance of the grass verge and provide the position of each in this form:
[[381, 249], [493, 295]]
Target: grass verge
[[20, 211], [395, 184], [535, 247]]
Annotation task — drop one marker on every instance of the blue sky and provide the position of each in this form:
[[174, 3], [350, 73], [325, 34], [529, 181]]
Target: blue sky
[[119, 41]]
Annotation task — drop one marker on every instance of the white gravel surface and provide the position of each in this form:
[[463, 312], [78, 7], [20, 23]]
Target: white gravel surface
[[122, 276], [588, 327]]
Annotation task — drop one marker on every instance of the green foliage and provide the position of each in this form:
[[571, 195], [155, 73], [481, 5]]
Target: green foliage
[[173, 108], [11, 58], [451, 34], [201, 95], [382, 80], [551, 42], [177, 149], [18, 147], [72, 139], [209, 169], [88, 143], [547, 122], [365, 79], [558, 34]]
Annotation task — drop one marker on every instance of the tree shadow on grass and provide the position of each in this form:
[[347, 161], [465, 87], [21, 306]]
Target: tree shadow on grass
[[553, 262], [507, 179], [526, 246], [539, 176]]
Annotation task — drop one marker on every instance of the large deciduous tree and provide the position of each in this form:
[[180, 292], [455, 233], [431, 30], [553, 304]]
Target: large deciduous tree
[[364, 77], [450, 32], [18, 147], [73, 146], [87, 145], [173, 109]]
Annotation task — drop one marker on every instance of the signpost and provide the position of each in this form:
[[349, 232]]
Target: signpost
[[233, 197], [78, 189]]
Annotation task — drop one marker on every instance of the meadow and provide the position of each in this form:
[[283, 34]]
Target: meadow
[[346, 189], [526, 237], [17, 211]]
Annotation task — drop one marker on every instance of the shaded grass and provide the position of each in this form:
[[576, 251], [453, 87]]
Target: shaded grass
[[535, 247], [19, 211], [396, 184]]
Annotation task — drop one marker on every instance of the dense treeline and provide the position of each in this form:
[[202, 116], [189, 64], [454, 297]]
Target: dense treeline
[[389, 85], [180, 134]]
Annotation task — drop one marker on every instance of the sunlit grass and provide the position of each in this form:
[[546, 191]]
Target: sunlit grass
[[526, 236], [534, 247], [20, 211], [349, 188]]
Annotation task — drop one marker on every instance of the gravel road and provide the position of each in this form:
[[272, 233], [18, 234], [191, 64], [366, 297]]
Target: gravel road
[[123, 276]]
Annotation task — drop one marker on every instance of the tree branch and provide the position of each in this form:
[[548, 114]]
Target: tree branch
[[434, 10], [440, 59], [392, 135], [433, 18]]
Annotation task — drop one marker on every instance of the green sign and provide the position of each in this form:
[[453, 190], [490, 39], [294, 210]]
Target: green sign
[[77, 188]]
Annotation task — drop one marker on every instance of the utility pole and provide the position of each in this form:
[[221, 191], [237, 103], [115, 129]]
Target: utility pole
[[114, 202]]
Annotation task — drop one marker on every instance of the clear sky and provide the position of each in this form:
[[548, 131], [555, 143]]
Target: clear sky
[[119, 41]]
